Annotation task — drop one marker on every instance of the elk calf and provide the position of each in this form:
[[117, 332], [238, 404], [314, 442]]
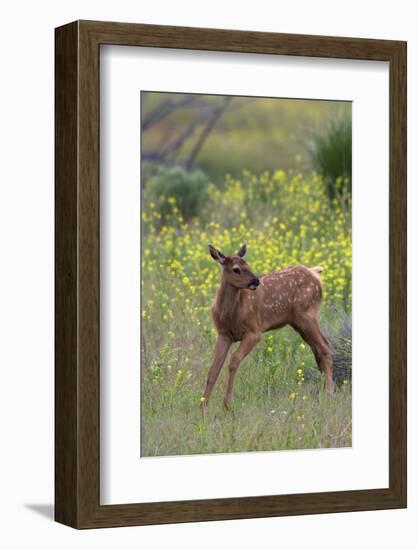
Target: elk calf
[[247, 306]]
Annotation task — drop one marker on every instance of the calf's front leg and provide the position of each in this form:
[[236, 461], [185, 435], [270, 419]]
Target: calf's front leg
[[246, 346], [223, 344]]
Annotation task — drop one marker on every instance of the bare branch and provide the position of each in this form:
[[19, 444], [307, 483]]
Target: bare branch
[[163, 154], [166, 108], [211, 122], [206, 117]]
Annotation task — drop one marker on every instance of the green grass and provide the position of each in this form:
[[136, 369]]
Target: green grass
[[273, 407]]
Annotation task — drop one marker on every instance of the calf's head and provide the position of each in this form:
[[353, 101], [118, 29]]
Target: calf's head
[[236, 272]]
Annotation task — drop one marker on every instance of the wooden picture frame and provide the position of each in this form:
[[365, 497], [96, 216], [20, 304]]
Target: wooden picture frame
[[77, 373]]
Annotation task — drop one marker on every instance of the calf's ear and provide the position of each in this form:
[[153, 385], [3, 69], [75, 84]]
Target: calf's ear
[[242, 251], [216, 254]]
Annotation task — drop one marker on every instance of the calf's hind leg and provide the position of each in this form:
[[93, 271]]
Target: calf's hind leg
[[309, 330]]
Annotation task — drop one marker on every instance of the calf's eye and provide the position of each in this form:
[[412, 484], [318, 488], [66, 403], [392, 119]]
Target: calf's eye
[[236, 270]]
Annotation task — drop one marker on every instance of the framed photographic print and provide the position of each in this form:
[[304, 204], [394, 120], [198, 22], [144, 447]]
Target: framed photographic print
[[230, 274]]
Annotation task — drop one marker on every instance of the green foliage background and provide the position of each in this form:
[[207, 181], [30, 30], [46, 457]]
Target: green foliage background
[[256, 134]]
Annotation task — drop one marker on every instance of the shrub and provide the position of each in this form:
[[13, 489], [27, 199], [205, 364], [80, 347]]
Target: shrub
[[175, 190], [331, 155]]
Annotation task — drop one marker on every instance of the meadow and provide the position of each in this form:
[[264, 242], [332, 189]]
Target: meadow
[[285, 217]]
